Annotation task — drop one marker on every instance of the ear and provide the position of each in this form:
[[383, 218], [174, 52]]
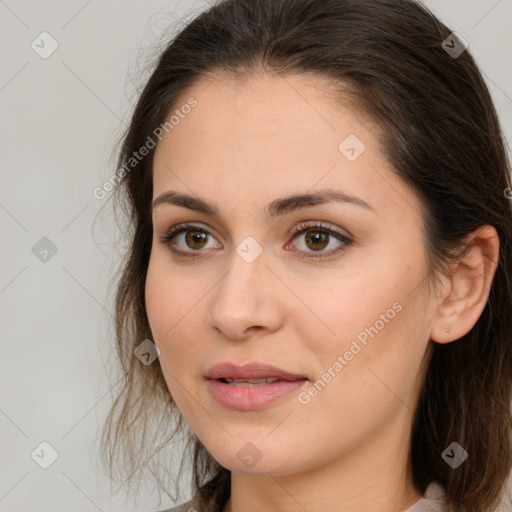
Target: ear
[[467, 287]]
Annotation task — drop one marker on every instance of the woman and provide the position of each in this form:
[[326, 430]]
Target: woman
[[321, 251]]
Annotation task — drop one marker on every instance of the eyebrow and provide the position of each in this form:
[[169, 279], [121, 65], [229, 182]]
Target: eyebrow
[[276, 208]]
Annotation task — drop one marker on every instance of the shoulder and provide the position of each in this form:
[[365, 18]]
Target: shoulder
[[192, 505], [206, 498], [433, 501]]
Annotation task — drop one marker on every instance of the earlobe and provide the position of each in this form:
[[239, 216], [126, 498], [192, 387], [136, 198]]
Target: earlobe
[[469, 285]]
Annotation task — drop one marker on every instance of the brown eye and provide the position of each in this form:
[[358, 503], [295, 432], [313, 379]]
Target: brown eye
[[318, 240], [196, 239], [187, 239]]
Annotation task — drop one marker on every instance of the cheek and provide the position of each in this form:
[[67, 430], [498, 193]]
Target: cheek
[[369, 334], [169, 295], [157, 297], [176, 315], [346, 308], [166, 303]]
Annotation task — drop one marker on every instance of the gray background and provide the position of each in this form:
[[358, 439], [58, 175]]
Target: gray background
[[60, 118]]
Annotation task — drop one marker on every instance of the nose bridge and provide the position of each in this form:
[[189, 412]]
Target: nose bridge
[[238, 288], [243, 298]]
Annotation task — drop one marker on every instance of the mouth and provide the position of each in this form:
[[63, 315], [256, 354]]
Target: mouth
[[249, 383], [253, 372], [252, 386]]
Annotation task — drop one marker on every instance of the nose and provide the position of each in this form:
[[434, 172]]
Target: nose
[[245, 299]]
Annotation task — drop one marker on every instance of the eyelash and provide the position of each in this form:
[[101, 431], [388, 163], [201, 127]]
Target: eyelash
[[302, 228]]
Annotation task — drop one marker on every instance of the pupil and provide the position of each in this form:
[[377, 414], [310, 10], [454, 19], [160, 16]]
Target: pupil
[[194, 237], [316, 238]]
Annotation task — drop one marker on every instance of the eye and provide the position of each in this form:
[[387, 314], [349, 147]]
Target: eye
[[193, 236], [318, 237]]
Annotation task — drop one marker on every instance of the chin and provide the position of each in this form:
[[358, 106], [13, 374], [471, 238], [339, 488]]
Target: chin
[[252, 461]]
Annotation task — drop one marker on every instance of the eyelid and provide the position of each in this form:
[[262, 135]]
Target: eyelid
[[309, 224], [321, 227], [303, 227], [183, 227]]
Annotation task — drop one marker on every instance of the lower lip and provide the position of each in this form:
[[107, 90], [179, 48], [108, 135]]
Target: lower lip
[[250, 398]]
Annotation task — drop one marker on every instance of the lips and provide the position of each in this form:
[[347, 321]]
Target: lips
[[253, 370], [252, 386]]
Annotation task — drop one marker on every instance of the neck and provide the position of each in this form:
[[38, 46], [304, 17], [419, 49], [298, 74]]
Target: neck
[[375, 477]]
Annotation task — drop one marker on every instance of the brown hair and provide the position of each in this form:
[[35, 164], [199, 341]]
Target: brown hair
[[439, 130]]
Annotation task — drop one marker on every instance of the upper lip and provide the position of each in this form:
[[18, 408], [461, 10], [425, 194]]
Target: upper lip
[[252, 370]]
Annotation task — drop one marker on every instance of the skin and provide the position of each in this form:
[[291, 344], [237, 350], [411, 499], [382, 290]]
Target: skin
[[247, 143]]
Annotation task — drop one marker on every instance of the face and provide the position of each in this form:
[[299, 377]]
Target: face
[[330, 290]]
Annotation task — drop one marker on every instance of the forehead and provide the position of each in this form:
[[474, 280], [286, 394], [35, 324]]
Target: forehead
[[267, 136], [277, 111]]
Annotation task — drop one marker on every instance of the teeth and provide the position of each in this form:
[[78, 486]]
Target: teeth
[[249, 382]]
